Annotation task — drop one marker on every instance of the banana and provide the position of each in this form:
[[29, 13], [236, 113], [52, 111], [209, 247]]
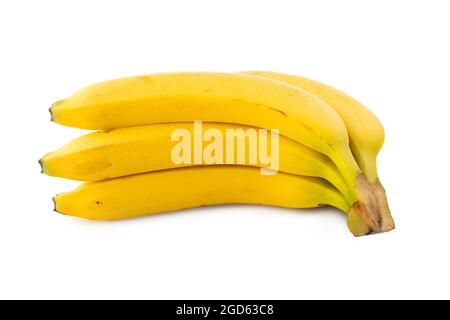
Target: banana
[[181, 188], [231, 98], [126, 151], [365, 131], [366, 134]]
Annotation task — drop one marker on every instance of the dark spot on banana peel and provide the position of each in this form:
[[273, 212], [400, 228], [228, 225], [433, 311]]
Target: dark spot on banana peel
[[147, 79], [308, 128], [98, 202], [282, 112], [331, 146]]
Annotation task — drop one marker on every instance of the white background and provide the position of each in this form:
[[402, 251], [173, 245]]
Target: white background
[[392, 55]]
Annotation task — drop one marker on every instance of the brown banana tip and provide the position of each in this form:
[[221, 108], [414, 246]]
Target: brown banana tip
[[54, 204], [359, 225], [356, 223], [371, 214], [51, 114], [42, 167], [55, 207]]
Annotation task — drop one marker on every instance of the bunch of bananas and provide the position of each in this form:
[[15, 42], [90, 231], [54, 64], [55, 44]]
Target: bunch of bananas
[[328, 144]]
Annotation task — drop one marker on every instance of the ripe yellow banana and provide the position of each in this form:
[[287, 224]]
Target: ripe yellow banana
[[366, 134], [365, 131], [231, 98], [175, 189], [126, 151]]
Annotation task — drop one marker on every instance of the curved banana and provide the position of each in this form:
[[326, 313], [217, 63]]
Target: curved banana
[[181, 188], [366, 133], [126, 151], [231, 98]]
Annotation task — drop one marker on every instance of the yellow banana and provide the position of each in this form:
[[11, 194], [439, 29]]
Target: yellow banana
[[181, 188], [366, 134], [365, 131], [126, 151], [231, 98]]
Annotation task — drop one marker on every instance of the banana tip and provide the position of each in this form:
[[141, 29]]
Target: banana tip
[[55, 206], [359, 225], [356, 225], [52, 118], [51, 109], [42, 167]]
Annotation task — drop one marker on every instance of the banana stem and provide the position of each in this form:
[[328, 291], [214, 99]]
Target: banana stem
[[367, 162], [369, 212]]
